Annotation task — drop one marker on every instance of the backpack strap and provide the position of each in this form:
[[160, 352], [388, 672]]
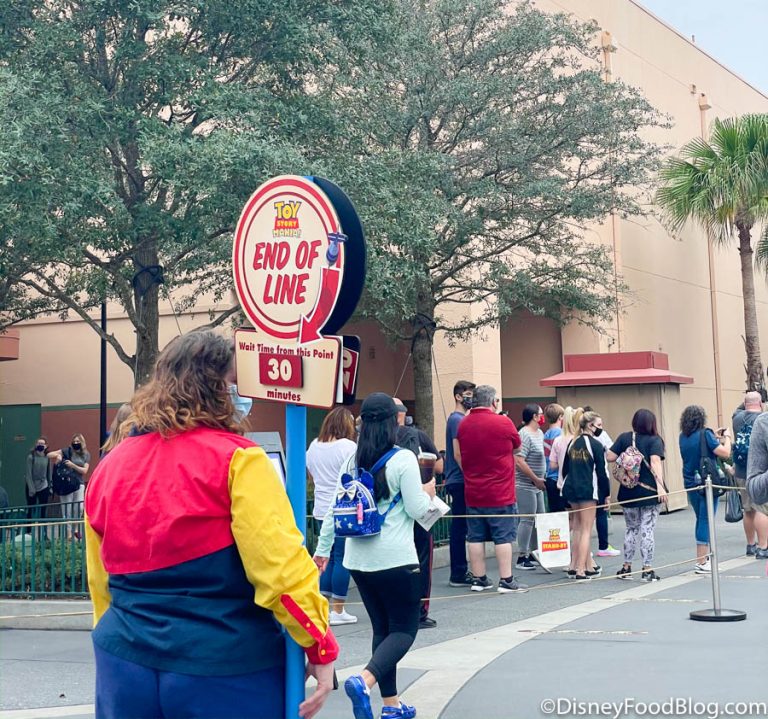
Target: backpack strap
[[376, 467], [703, 448], [633, 440], [384, 459], [392, 504]]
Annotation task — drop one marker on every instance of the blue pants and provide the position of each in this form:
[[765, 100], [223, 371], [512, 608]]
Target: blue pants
[[458, 532], [334, 581], [125, 690], [699, 503]]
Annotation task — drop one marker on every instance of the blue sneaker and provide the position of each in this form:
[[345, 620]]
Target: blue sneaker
[[402, 712], [360, 695]]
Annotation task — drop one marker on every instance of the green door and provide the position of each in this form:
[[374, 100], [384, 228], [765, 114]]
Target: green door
[[19, 428]]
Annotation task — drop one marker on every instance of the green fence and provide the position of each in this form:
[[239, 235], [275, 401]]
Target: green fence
[[43, 550]]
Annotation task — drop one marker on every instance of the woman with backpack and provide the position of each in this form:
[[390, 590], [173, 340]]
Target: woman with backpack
[[699, 443], [638, 455], [585, 482], [385, 566], [70, 468]]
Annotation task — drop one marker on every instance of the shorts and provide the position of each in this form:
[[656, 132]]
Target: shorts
[[746, 501], [499, 530]]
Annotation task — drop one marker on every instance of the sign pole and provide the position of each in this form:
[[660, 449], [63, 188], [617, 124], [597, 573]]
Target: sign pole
[[296, 486]]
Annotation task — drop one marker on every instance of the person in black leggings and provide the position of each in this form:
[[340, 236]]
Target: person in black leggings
[[385, 567]]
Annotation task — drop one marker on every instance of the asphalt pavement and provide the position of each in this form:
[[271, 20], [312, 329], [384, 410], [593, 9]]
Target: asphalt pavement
[[501, 656]]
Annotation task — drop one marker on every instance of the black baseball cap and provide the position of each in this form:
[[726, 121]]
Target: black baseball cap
[[377, 407]]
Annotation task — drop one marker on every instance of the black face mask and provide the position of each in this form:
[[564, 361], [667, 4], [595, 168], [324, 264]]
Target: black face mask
[[598, 431], [40, 448], [466, 402], [77, 446]]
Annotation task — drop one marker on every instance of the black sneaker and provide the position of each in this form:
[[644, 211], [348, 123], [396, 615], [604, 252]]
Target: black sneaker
[[481, 583], [649, 576], [466, 581], [571, 574], [751, 549], [624, 573], [594, 573], [582, 578], [511, 585], [526, 563], [761, 553]]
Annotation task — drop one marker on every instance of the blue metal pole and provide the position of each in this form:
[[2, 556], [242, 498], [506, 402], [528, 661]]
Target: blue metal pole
[[296, 486]]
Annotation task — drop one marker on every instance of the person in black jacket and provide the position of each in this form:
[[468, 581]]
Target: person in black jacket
[[586, 480]]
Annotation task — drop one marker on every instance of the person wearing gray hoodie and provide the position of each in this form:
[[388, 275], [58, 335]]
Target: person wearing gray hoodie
[[757, 471]]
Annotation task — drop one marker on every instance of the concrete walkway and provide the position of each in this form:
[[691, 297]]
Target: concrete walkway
[[501, 656]]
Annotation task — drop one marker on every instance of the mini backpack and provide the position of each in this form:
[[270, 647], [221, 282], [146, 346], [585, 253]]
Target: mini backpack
[[355, 513], [628, 464]]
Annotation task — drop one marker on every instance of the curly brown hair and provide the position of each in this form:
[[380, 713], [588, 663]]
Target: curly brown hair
[[188, 387]]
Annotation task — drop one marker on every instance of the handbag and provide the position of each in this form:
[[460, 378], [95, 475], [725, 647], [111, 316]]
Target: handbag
[[65, 480], [734, 511]]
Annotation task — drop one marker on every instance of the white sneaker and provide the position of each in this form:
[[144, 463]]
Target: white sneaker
[[342, 617], [705, 568], [608, 552]]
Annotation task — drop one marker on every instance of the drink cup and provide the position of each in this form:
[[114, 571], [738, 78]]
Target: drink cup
[[427, 466]]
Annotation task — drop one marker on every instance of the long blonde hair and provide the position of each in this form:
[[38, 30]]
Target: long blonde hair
[[571, 421]]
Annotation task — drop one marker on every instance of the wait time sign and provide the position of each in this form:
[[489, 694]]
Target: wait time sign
[[299, 266]]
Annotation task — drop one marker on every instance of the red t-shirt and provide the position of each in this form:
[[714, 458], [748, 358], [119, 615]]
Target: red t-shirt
[[487, 441]]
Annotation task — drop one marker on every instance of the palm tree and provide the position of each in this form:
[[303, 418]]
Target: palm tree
[[722, 184]]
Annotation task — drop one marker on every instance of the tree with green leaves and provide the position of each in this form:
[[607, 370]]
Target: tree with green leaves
[[133, 132], [722, 185], [478, 148]]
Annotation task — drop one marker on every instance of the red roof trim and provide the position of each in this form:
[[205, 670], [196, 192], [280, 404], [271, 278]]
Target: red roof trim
[[615, 377]]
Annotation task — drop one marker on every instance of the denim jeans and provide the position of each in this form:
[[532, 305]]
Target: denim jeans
[[699, 503], [458, 541], [334, 581]]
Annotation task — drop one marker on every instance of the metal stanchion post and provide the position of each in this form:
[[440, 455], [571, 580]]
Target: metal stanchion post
[[717, 613]]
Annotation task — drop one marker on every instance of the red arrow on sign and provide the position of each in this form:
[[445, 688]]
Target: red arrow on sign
[[329, 285]]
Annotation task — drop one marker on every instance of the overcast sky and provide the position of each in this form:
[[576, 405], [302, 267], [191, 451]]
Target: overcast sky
[[732, 31]]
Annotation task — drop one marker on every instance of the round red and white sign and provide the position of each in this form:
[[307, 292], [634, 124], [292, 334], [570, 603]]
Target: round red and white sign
[[287, 260]]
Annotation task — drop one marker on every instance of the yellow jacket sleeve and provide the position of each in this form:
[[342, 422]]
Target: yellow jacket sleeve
[[276, 562], [98, 579]]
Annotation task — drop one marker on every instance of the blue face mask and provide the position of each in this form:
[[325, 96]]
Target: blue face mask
[[242, 404]]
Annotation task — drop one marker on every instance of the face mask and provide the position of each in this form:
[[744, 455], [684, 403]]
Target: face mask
[[466, 402], [77, 446], [40, 448], [598, 431], [242, 404]]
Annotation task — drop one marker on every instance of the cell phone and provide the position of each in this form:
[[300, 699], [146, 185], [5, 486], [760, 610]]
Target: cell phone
[[721, 430], [335, 681]]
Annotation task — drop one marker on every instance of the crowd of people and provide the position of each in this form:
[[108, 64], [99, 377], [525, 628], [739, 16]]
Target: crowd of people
[[193, 552]]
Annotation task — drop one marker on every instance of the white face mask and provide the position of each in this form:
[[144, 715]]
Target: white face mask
[[242, 404]]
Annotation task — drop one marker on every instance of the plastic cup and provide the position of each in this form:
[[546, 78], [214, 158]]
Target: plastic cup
[[427, 466]]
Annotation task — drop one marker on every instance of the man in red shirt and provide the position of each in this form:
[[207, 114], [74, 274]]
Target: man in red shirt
[[487, 441]]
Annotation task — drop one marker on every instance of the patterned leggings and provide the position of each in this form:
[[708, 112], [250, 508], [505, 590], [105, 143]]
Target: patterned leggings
[[641, 524]]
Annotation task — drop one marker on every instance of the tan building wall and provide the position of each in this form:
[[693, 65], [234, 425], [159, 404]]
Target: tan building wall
[[669, 306]]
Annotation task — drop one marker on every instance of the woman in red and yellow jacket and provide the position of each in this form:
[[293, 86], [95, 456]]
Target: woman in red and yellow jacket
[[193, 554]]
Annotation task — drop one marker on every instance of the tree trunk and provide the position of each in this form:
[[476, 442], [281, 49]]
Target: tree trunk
[[751, 332], [422, 381], [147, 297]]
